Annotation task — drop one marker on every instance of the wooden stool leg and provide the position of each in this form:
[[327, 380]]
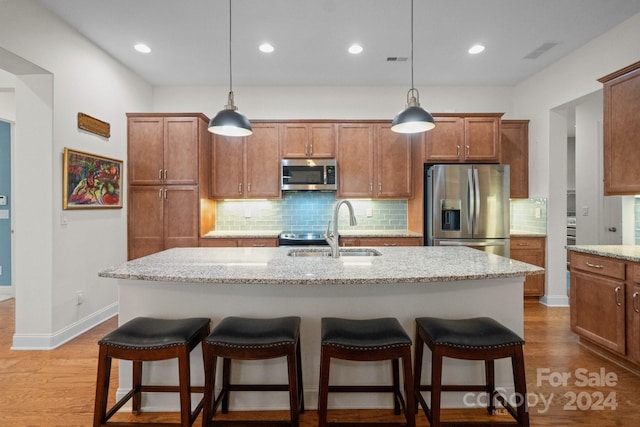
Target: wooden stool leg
[[410, 406], [395, 368], [520, 382], [299, 367], [436, 386], [417, 373], [137, 385], [210, 363], [184, 380], [292, 368], [323, 394], [102, 387], [490, 381], [226, 380]]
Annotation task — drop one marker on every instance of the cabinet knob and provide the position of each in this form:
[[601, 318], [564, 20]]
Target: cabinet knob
[[613, 229]]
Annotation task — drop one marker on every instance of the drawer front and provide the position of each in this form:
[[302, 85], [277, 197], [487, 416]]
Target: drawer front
[[526, 243], [636, 273], [598, 265]]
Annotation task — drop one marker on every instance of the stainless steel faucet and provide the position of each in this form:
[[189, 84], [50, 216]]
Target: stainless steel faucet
[[332, 237]]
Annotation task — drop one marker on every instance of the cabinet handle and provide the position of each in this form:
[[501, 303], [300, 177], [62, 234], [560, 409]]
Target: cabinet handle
[[636, 307], [390, 244], [165, 174], [240, 188], [379, 187], [593, 265], [165, 193], [467, 151], [311, 149], [258, 245], [160, 174], [371, 187], [160, 194], [457, 151], [617, 291], [249, 188], [523, 244]]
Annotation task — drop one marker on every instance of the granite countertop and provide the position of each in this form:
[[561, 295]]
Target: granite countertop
[[240, 234], [274, 266], [625, 252]]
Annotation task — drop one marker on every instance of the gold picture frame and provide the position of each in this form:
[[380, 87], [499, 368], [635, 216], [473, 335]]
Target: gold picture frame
[[91, 181]]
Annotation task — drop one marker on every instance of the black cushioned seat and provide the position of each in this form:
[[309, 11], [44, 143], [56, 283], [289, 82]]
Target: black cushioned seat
[[366, 340], [480, 338], [144, 339], [243, 338]]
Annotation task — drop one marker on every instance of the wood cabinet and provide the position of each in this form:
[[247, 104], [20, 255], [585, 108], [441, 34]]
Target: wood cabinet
[[598, 300], [245, 242], [464, 138], [514, 146], [380, 241], [532, 251], [633, 315], [373, 162], [247, 167], [621, 131], [167, 167], [308, 140]]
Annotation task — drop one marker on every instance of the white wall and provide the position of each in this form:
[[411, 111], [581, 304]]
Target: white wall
[[566, 80], [54, 261]]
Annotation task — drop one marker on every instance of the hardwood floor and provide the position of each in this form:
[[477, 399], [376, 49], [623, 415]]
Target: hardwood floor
[[56, 388]]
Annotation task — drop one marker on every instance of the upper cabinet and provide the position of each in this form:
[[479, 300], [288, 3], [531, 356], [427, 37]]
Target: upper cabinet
[[464, 138], [373, 162], [247, 167], [515, 152], [622, 131], [308, 140], [163, 149]]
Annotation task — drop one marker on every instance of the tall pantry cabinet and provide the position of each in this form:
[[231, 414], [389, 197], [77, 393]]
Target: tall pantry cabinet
[[167, 177]]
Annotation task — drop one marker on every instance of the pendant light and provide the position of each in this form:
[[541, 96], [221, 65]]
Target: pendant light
[[229, 121], [412, 119]]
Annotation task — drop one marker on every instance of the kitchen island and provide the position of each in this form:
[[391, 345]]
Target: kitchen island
[[403, 282]]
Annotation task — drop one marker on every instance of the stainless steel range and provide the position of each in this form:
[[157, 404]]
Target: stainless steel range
[[301, 239]]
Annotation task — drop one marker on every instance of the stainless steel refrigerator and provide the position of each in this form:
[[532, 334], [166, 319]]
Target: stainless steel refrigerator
[[467, 205]]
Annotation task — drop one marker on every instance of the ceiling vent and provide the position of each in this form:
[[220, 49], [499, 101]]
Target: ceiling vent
[[540, 50], [397, 58]]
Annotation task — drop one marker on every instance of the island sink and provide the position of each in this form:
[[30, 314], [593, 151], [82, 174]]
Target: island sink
[[310, 252]]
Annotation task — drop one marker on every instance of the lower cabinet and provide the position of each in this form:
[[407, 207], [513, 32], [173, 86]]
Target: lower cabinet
[[162, 217], [605, 305], [243, 242], [380, 241], [532, 251]]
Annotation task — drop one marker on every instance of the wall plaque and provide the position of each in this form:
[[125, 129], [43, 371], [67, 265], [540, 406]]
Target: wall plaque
[[93, 125]]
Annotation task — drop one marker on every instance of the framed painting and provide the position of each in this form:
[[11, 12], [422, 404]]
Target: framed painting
[[91, 181]]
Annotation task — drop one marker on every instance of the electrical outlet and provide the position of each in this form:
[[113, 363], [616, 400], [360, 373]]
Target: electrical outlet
[[369, 212], [585, 211], [79, 297], [247, 213], [538, 213]]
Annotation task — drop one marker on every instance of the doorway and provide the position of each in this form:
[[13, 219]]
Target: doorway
[[5, 209]]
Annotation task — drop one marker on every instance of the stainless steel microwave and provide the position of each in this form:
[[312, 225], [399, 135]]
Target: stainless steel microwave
[[309, 174]]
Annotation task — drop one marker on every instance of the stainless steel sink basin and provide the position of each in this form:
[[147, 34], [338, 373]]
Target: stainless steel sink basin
[[308, 252]]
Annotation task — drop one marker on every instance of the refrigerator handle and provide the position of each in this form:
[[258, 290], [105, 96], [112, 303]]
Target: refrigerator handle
[[476, 205], [471, 197]]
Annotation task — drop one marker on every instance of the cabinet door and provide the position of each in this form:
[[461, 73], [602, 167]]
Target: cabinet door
[[181, 150], [633, 322], [145, 220], [393, 164], [263, 162], [322, 140], [598, 309], [145, 150], [444, 143], [295, 140], [227, 160], [532, 251], [515, 152], [621, 129], [181, 216], [355, 160], [482, 139]]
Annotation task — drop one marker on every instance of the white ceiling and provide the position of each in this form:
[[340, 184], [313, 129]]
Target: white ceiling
[[190, 38]]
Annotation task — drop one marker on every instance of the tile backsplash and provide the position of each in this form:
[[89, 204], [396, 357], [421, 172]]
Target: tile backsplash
[[308, 211], [529, 215]]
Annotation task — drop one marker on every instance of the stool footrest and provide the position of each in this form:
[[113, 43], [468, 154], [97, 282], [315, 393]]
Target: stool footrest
[[250, 423], [258, 387], [361, 388], [366, 424], [479, 387]]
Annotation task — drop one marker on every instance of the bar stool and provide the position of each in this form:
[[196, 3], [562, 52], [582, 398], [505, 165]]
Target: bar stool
[[242, 338], [367, 340], [480, 338], [145, 339]]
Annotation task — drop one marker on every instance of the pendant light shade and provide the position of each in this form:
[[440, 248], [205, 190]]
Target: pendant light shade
[[229, 121], [413, 119]]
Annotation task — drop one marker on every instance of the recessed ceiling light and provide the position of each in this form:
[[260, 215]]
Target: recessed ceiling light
[[355, 49], [142, 48], [477, 48], [266, 48]]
